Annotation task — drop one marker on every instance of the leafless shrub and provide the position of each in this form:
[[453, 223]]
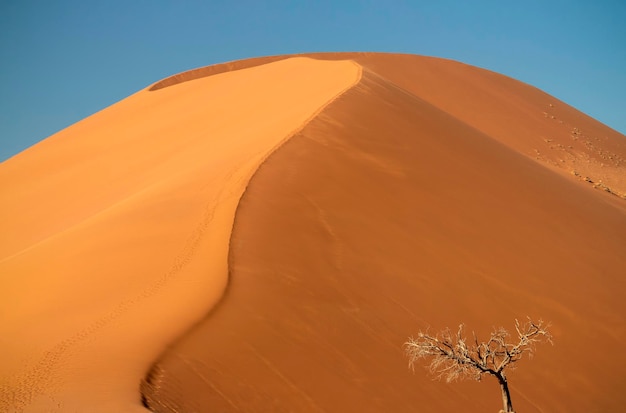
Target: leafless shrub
[[454, 357]]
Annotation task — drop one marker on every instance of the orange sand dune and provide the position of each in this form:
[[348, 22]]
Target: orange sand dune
[[410, 192]]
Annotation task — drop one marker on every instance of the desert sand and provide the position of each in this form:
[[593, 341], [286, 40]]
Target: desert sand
[[264, 235]]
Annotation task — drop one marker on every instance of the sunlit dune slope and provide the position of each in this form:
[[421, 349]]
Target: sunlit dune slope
[[415, 199], [116, 230]]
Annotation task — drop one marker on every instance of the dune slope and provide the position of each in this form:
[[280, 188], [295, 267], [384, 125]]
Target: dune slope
[[396, 209], [116, 230]]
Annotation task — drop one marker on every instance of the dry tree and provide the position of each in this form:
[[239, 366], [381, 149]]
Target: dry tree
[[454, 357]]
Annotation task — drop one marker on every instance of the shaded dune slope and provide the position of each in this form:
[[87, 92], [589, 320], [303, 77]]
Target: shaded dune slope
[[420, 197]]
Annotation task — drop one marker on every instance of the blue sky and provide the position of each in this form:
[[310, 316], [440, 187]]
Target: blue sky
[[61, 61]]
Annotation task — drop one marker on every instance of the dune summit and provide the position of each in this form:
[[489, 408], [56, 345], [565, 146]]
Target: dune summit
[[305, 215]]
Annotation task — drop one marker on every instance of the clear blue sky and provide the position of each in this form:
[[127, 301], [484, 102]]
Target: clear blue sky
[[62, 60]]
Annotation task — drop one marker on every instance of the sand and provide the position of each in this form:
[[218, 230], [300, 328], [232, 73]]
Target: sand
[[409, 192], [116, 229]]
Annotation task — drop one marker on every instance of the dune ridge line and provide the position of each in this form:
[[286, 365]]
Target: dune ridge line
[[149, 382]]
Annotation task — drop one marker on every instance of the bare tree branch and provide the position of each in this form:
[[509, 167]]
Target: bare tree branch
[[453, 357]]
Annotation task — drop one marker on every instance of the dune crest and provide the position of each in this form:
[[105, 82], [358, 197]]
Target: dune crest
[[116, 229], [527, 119]]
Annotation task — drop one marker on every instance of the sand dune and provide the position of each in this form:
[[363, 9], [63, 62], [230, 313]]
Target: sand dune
[[407, 192]]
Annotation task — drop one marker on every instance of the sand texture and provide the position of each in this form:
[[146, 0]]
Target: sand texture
[[284, 224]]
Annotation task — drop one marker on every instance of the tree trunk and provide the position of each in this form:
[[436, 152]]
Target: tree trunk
[[506, 396]]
